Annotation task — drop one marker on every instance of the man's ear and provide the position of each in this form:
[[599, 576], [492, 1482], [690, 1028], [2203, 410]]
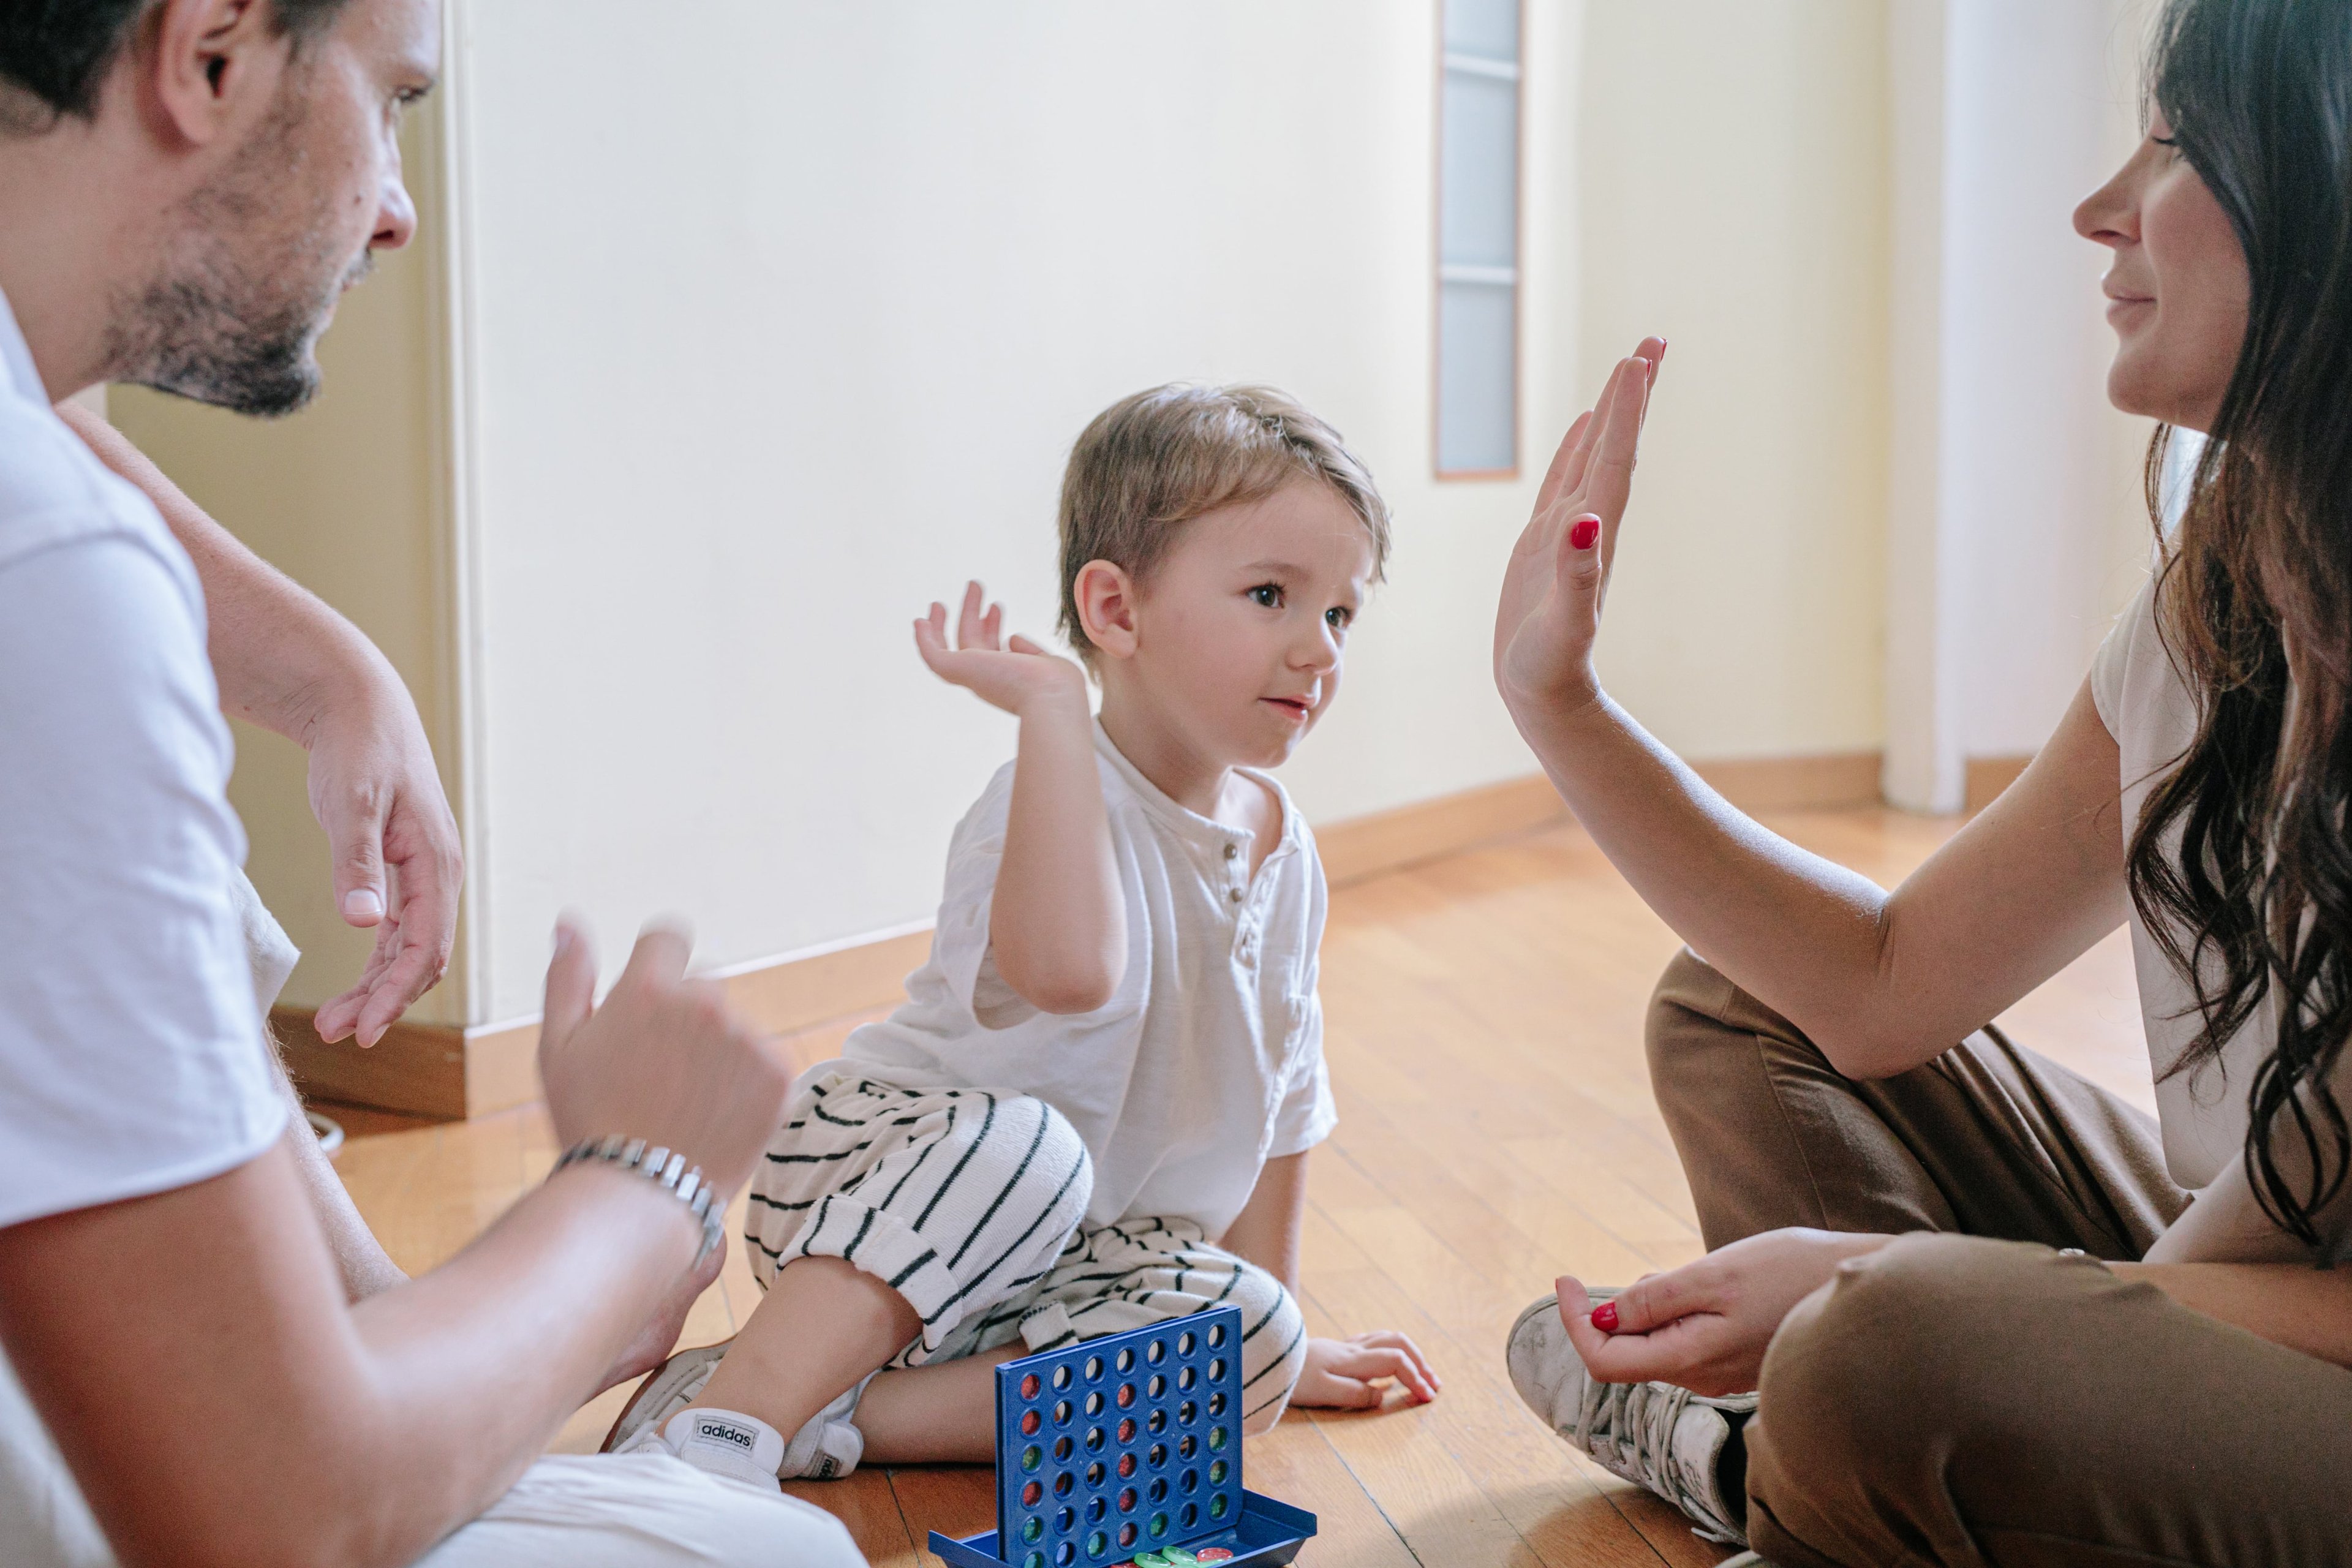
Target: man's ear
[[211, 64], [1106, 596]]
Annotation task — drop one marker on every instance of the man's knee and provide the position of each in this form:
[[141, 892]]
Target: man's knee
[[643, 1511], [1274, 1346]]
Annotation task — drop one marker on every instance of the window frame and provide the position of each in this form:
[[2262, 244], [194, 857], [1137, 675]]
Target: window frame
[[1437, 270]]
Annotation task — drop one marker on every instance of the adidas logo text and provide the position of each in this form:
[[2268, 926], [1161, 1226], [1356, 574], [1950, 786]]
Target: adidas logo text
[[725, 1433]]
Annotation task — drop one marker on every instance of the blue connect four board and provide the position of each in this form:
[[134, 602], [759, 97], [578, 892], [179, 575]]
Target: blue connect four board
[[1127, 1444]]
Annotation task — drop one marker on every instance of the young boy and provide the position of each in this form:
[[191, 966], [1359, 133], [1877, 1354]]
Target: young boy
[[1094, 1111]]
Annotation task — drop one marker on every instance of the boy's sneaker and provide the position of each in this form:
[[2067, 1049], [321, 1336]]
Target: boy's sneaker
[[825, 1448], [1666, 1440]]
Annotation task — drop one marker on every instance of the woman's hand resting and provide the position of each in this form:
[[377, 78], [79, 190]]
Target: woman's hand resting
[[1559, 574], [1705, 1326]]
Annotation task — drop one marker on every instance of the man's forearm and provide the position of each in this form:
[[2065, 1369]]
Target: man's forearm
[[279, 653]]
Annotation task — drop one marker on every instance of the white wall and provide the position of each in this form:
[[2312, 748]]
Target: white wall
[[1735, 192], [761, 333], [2015, 527], [778, 340]]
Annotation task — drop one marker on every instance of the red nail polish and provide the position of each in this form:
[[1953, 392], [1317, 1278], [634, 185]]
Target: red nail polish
[[1604, 1316], [1583, 531]]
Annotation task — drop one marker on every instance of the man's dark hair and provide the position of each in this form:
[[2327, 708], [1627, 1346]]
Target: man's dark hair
[[58, 50]]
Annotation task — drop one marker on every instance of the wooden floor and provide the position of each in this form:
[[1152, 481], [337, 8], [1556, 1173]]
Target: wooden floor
[[1496, 1130]]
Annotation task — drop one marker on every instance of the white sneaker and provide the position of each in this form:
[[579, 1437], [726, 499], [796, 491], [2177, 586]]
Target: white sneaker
[[826, 1447], [1666, 1440]]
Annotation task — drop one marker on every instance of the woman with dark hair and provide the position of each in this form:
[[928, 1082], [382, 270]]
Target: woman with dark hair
[[1962, 1307]]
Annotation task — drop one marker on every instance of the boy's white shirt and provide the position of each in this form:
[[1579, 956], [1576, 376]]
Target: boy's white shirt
[[1207, 1061]]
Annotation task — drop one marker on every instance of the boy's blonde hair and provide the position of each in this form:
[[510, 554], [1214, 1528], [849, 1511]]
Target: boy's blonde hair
[[1162, 458]]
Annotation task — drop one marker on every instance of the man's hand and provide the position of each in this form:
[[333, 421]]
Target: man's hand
[[1011, 675], [286, 661], [662, 1058], [1350, 1374], [1705, 1326], [397, 860], [1550, 611]]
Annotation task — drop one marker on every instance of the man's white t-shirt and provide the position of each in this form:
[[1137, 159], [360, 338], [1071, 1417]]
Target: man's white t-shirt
[[132, 1056], [1206, 1063]]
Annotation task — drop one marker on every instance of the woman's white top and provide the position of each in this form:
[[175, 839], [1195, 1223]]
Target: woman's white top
[[2149, 709], [1206, 1063]]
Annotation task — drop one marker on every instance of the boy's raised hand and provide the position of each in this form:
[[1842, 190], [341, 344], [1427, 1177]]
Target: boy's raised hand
[[1007, 674]]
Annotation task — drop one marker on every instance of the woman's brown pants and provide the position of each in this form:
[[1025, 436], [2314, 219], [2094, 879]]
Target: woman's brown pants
[[1971, 1397]]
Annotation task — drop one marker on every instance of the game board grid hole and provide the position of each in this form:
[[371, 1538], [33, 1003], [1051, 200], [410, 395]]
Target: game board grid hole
[[1145, 1516]]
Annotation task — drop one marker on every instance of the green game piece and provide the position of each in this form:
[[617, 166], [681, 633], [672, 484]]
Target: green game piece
[[1151, 1560], [1180, 1558]]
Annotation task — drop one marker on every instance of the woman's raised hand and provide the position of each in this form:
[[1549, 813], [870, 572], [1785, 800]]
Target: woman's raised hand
[[1007, 674], [1552, 591]]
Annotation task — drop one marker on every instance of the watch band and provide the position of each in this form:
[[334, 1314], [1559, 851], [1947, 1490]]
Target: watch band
[[666, 1169]]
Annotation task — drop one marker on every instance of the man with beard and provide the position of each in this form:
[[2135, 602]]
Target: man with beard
[[185, 186]]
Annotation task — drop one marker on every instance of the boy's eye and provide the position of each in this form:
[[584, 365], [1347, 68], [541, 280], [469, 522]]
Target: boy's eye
[[1269, 595], [1338, 616]]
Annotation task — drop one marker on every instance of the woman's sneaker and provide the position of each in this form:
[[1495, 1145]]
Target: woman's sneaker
[[1666, 1440], [729, 1442]]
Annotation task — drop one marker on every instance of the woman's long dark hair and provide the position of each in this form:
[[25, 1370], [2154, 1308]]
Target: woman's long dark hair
[[2255, 890]]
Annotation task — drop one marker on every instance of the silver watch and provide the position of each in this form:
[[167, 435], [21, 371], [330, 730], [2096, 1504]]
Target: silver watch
[[668, 1170]]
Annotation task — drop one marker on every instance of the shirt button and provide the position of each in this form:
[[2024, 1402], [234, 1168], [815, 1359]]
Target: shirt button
[[1237, 895], [1232, 850]]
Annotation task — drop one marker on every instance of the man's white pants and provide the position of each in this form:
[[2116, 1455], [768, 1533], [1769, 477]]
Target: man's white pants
[[624, 1511], [579, 1510]]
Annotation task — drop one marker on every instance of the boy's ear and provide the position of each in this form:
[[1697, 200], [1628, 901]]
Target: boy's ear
[[1105, 596]]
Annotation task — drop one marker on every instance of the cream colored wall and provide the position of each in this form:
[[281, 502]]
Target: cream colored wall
[[343, 497], [1735, 199]]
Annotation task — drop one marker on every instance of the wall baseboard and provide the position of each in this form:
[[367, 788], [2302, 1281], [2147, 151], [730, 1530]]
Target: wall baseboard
[[1363, 846], [1841, 779], [452, 1073], [1987, 777]]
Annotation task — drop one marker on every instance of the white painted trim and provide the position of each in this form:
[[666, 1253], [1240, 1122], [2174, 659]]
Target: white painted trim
[[821, 950], [1925, 768], [749, 967], [461, 495]]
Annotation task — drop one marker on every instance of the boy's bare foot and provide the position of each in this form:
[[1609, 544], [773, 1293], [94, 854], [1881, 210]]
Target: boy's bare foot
[[654, 1341]]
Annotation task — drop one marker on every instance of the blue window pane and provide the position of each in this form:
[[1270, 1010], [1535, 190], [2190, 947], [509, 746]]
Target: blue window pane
[[1478, 177], [1477, 375], [1489, 28]]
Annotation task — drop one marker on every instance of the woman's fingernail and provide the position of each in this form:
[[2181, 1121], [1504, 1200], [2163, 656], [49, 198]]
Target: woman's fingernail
[[1583, 531], [1604, 1317]]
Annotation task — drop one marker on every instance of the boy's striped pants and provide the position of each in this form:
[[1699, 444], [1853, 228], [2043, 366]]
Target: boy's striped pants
[[971, 1204]]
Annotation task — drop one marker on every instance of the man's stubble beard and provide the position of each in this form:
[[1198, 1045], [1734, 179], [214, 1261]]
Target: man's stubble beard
[[235, 311]]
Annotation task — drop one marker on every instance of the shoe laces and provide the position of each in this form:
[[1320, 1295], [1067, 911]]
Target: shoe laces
[[1629, 1430]]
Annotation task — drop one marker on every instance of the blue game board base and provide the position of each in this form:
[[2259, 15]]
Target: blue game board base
[[1269, 1533]]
